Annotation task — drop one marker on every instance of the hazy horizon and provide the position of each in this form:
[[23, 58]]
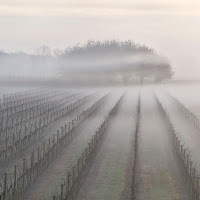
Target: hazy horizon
[[172, 29]]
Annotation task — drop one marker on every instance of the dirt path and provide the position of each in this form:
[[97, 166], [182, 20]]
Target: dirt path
[[56, 172], [160, 176], [107, 177], [186, 129]]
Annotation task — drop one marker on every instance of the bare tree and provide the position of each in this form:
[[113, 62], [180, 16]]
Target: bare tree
[[58, 52], [43, 51]]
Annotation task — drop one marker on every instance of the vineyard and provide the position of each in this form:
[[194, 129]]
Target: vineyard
[[138, 143]]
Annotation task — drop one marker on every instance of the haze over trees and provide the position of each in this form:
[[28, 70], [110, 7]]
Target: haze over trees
[[125, 59], [20, 64], [109, 61]]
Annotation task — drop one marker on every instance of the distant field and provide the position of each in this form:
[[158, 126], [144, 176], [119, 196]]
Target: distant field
[[10, 89], [189, 95]]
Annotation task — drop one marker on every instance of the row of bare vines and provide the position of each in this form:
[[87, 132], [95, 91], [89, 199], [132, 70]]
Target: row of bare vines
[[188, 169], [41, 158], [75, 177]]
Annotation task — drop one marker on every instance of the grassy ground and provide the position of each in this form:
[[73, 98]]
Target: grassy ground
[[107, 178], [160, 175]]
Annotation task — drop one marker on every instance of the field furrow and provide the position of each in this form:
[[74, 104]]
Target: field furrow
[[160, 174], [107, 177], [188, 133], [53, 177]]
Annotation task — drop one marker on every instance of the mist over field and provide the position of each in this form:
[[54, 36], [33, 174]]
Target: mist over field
[[95, 62], [99, 100]]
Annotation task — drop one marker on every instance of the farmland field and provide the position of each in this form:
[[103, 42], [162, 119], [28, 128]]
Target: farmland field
[[137, 143]]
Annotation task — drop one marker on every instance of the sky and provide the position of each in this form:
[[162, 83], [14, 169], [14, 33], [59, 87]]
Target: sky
[[171, 27]]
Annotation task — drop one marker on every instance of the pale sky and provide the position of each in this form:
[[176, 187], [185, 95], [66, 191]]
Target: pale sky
[[171, 27]]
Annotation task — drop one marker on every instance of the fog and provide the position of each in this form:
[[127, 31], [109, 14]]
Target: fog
[[93, 61], [23, 65], [111, 167], [99, 100], [172, 28]]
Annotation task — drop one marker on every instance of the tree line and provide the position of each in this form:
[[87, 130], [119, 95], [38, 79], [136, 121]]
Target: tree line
[[120, 61]]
